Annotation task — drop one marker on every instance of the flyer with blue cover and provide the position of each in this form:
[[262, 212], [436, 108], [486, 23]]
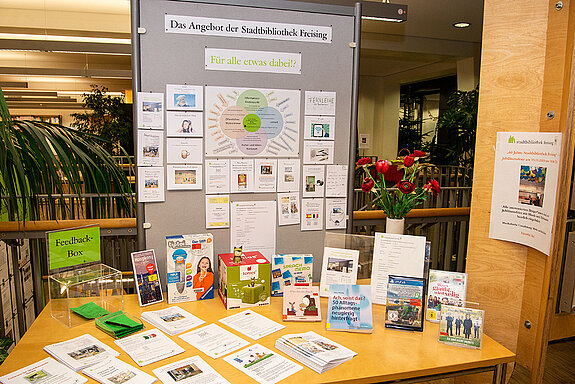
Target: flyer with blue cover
[[349, 308]]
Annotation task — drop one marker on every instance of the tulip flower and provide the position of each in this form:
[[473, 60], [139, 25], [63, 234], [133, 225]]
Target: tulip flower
[[364, 161], [417, 153], [408, 161], [367, 184], [382, 166], [432, 186], [406, 186]]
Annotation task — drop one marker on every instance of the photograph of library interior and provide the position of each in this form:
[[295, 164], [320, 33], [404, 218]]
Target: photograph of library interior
[[287, 191]]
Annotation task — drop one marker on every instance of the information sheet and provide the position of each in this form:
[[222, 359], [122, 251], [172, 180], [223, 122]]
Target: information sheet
[[318, 152], [44, 371], [214, 341], [184, 124], [242, 179], [172, 320], [80, 352], [262, 364], [193, 370], [184, 177], [184, 150], [313, 180], [312, 214], [150, 148], [217, 176], [251, 324], [266, 171], [149, 346], [320, 103], [525, 188], [150, 110], [151, 184], [339, 267], [400, 255], [335, 213], [217, 211], [336, 181], [254, 226], [115, 371], [288, 175], [244, 122], [319, 128], [288, 208], [185, 97]]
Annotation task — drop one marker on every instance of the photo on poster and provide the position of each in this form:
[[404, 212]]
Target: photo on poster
[[313, 180], [150, 110], [185, 97], [318, 152], [151, 184], [150, 148], [319, 128], [184, 177], [532, 185], [184, 124], [184, 150]]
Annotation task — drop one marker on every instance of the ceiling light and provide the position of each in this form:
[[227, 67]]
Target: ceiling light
[[371, 10], [461, 24], [75, 39]]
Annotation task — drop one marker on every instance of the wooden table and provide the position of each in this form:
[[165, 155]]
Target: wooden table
[[385, 355]]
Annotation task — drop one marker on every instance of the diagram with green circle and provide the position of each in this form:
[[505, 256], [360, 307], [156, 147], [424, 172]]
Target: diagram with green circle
[[243, 122]]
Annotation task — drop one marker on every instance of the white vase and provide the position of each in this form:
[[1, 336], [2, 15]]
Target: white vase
[[396, 226]]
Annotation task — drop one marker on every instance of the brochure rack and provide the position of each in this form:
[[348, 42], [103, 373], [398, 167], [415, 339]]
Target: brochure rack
[[97, 283], [364, 244]]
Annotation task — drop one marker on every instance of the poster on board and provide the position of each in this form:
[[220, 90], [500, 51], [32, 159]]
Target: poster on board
[[524, 188], [244, 122]]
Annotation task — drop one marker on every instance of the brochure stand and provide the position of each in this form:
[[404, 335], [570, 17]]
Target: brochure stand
[[364, 244], [97, 283]]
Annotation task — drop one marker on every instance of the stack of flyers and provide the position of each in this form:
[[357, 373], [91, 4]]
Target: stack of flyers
[[317, 352], [172, 320], [81, 352], [43, 371], [114, 371]]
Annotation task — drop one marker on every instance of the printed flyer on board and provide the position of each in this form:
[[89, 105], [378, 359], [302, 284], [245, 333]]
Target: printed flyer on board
[[525, 188]]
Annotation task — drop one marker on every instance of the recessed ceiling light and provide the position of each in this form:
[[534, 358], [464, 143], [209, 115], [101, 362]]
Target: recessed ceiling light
[[461, 24]]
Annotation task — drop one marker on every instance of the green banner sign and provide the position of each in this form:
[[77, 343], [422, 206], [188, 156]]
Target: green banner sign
[[73, 247]]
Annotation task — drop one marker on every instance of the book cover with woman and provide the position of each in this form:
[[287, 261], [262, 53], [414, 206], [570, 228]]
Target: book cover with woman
[[203, 281]]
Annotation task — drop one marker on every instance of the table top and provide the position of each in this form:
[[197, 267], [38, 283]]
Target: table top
[[385, 354]]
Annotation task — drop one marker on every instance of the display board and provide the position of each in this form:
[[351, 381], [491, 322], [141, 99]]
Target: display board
[[253, 103]]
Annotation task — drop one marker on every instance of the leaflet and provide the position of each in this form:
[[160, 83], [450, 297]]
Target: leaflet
[[262, 365], [150, 110], [217, 176], [251, 324], [312, 214], [339, 267], [189, 371], [335, 213], [146, 277], [288, 208], [242, 171], [149, 346], [172, 320], [80, 352], [214, 341], [47, 371], [288, 175], [313, 180], [114, 371], [266, 171], [217, 211], [336, 181], [150, 148]]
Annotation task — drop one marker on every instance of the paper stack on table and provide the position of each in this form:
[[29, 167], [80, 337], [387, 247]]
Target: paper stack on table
[[317, 352], [114, 371], [119, 324], [172, 320], [149, 346], [41, 371], [81, 352]]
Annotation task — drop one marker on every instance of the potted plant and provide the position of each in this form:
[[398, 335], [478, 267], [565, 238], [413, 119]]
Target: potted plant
[[397, 203]]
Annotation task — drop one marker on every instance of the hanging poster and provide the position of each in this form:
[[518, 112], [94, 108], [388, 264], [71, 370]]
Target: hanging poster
[[335, 213], [217, 211], [184, 150], [184, 124], [319, 103], [150, 110], [217, 176], [312, 214], [243, 122], [318, 152], [265, 175], [242, 179], [184, 97], [150, 184], [254, 226], [288, 175], [524, 188], [184, 177], [313, 180], [336, 181], [288, 208], [150, 148], [319, 128]]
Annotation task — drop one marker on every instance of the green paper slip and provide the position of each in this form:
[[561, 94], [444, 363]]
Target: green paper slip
[[90, 310], [118, 324]]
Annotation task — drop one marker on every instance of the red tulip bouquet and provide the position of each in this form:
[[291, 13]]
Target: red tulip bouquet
[[396, 204]]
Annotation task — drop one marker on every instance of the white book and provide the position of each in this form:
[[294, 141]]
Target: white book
[[172, 320], [115, 371], [44, 371], [80, 352], [149, 346], [189, 371]]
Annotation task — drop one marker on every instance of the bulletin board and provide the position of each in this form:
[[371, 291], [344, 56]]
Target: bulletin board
[[312, 46]]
